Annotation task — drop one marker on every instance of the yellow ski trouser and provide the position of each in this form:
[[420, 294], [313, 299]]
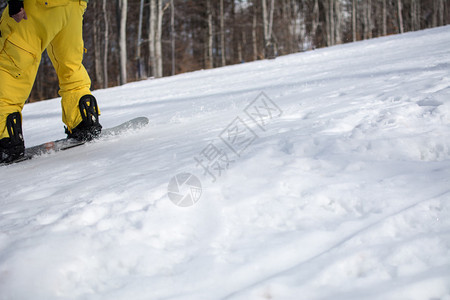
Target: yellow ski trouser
[[55, 25]]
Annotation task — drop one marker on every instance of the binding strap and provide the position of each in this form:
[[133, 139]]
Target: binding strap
[[14, 126], [89, 110]]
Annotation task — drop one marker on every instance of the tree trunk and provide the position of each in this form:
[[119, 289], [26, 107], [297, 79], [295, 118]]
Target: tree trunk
[[338, 32], [367, 16], [158, 42], [155, 32], [400, 16], [172, 34], [331, 23], [140, 67], [106, 45], [315, 22], [369, 19], [254, 36], [151, 37], [441, 10], [210, 37], [297, 39], [418, 14], [354, 19], [239, 49], [265, 21], [384, 18], [222, 34], [434, 21], [97, 49], [266, 27], [123, 41], [289, 31], [272, 9], [269, 49], [236, 51]]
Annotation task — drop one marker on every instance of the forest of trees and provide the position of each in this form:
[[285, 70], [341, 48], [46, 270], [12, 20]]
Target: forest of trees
[[129, 40]]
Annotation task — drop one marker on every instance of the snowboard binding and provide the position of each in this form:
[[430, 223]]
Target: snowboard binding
[[90, 127], [13, 147]]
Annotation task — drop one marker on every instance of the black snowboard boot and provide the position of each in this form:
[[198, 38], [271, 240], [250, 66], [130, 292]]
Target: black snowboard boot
[[90, 127], [13, 147]]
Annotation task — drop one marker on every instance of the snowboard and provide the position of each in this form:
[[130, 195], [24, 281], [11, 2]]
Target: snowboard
[[65, 144]]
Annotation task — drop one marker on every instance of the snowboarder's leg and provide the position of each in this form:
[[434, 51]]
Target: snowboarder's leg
[[19, 61], [66, 53]]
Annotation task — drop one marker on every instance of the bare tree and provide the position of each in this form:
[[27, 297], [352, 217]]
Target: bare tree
[[97, 48], [222, 34], [354, 25], [316, 20], [151, 36], [339, 21], [367, 19], [254, 33], [123, 8], [140, 66], [158, 41], [384, 21], [330, 22], [400, 16], [268, 26], [209, 45], [172, 34], [441, 10], [155, 34], [106, 45]]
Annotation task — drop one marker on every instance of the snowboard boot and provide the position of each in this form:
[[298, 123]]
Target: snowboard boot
[[13, 147], [90, 127]]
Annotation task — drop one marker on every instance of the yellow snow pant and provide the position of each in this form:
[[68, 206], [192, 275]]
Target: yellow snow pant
[[55, 25]]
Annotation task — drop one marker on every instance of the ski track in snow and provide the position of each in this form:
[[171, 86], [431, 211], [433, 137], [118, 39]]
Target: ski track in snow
[[345, 195]]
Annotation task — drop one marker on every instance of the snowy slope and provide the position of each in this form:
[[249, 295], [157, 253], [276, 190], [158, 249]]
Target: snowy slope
[[338, 189]]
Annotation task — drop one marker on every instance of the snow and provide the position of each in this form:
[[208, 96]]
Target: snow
[[338, 189]]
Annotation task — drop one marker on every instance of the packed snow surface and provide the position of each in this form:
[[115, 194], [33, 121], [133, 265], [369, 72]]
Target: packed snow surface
[[324, 175]]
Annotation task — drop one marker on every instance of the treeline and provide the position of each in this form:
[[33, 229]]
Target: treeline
[[128, 40]]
